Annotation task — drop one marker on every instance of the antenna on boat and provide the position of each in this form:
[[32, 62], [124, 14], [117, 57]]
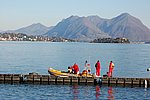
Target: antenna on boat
[[89, 59]]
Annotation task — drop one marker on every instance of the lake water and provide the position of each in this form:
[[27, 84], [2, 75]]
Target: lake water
[[131, 60]]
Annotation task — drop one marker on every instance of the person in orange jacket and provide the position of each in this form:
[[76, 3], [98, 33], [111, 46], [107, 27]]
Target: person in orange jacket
[[98, 68], [75, 68], [111, 67]]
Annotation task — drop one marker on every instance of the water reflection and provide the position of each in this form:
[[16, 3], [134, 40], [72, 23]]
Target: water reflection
[[75, 92], [97, 88], [110, 93], [98, 93], [86, 92]]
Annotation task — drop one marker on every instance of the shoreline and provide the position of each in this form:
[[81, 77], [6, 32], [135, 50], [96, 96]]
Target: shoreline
[[75, 42]]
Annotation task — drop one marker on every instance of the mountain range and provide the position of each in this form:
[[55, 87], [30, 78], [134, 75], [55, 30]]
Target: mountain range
[[92, 27]]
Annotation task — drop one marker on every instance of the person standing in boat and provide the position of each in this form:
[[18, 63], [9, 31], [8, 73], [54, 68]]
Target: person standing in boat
[[87, 67], [111, 67], [98, 68], [75, 68]]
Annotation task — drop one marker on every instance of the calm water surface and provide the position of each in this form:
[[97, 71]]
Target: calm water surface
[[131, 60], [66, 92]]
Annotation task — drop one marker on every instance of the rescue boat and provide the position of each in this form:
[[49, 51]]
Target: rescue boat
[[59, 73]]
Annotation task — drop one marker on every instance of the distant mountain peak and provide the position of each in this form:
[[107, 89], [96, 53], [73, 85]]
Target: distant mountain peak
[[37, 24], [73, 17], [125, 14], [93, 16], [128, 17], [33, 29]]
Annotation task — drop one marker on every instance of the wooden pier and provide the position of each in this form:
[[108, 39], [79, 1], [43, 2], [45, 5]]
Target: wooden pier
[[33, 78]]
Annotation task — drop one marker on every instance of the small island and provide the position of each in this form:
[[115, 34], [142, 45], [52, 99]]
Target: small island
[[111, 40]]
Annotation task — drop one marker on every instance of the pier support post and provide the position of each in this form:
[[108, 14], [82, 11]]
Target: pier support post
[[71, 81], [40, 80], [108, 82], [21, 79], [33, 79], [4, 78], [78, 80], [56, 80], [11, 79], [63, 81], [140, 83], [124, 83], [48, 80], [116, 82], [86, 81], [98, 81], [132, 83]]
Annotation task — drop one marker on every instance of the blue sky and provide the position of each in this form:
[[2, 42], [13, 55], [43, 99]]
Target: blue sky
[[15, 14]]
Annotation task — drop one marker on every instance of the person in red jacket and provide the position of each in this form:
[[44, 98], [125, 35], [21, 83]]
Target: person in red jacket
[[75, 68], [98, 67], [111, 67]]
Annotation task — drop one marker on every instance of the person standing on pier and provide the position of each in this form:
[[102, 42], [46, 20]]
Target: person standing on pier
[[98, 67], [111, 67]]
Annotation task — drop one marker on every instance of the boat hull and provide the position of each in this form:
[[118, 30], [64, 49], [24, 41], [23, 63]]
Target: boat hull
[[66, 74]]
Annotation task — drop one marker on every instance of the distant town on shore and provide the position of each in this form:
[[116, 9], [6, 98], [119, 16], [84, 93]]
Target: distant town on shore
[[24, 37]]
